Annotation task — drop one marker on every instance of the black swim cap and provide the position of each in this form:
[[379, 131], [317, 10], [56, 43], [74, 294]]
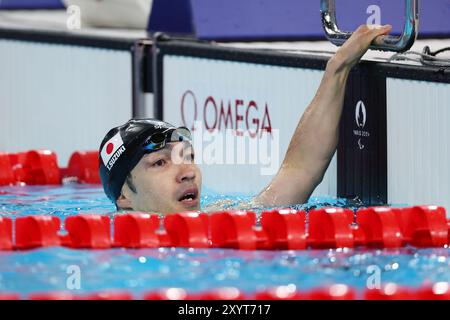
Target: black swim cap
[[120, 151]]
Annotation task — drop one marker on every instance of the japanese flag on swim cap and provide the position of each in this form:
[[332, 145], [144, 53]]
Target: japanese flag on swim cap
[[121, 150]]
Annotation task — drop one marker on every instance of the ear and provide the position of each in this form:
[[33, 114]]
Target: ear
[[123, 203], [124, 200]]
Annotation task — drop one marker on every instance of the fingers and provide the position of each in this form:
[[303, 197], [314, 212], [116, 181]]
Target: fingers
[[378, 32], [371, 33], [374, 29], [358, 44], [381, 30]]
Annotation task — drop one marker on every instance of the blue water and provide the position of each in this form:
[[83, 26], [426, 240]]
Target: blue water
[[141, 270]]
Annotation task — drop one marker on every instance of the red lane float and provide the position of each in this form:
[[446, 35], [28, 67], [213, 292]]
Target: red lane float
[[334, 292], [285, 229], [141, 230], [390, 291], [166, 294], [17, 163], [87, 231], [107, 295], [359, 237], [233, 229], [9, 296], [6, 170], [136, 230], [331, 228], [37, 231], [6, 242], [65, 295], [280, 229], [54, 295], [380, 227], [36, 167], [83, 165], [438, 291], [218, 294], [40, 167], [188, 230], [448, 232], [288, 292], [423, 226]]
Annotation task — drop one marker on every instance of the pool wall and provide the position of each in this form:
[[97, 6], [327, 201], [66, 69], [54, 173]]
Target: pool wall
[[418, 148], [57, 87]]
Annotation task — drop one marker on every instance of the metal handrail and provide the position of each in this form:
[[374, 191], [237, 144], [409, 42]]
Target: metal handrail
[[384, 43]]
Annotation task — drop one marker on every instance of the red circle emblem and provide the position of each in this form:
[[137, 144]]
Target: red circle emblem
[[109, 148]]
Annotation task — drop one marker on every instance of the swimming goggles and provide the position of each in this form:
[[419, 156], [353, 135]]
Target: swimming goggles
[[158, 140]]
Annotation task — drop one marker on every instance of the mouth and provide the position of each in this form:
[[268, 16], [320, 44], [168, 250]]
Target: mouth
[[189, 198]]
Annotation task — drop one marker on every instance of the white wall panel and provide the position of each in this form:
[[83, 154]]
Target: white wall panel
[[418, 133], [61, 97], [286, 91]]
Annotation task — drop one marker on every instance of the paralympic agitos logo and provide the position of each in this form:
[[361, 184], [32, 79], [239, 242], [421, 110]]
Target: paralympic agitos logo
[[361, 119], [216, 113]]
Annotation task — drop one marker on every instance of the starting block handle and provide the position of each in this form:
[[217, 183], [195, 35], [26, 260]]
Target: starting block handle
[[384, 43]]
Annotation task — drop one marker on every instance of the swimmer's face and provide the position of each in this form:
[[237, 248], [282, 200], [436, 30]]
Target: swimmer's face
[[165, 181]]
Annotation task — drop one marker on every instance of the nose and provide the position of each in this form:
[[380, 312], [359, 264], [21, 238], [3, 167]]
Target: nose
[[186, 173]]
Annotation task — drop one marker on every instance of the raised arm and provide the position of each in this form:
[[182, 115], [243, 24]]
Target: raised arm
[[315, 139]]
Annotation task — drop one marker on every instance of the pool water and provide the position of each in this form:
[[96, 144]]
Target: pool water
[[141, 270]]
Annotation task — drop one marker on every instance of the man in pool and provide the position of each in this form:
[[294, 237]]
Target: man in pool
[[144, 165]]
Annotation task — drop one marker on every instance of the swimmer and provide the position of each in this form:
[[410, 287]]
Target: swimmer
[[148, 165]]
